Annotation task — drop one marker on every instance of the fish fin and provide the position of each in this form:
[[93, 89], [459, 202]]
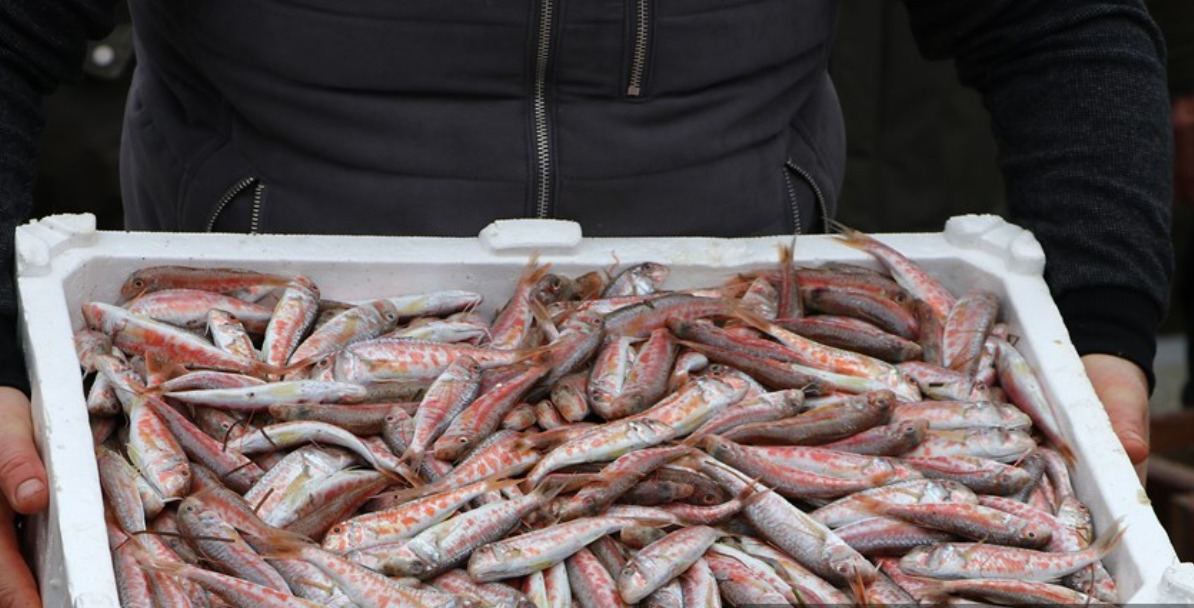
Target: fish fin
[[543, 439], [284, 544], [858, 588], [161, 367], [750, 494], [543, 318], [408, 494], [787, 278], [403, 473], [872, 505], [931, 588], [609, 270], [154, 564]]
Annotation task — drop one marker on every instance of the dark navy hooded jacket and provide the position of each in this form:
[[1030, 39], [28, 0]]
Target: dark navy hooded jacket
[[632, 117]]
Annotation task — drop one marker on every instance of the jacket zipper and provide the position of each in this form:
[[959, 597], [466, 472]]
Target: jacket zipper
[[638, 58], [822, 206], [255, 212], [236, 190], [539, 110], [792, 201]]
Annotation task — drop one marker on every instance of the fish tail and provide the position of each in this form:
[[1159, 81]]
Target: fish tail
[[534, 271], [1067, 452], [846, 231], [1110, 539], [750, 316], [548, 489], [412, 457], [405, 474]]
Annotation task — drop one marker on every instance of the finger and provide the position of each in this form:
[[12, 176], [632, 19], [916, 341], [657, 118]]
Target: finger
[[1123, 390], [22, 476], [17, 587]]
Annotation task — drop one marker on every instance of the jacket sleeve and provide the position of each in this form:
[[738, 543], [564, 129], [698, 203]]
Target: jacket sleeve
[[41, 45], [1077, 96]]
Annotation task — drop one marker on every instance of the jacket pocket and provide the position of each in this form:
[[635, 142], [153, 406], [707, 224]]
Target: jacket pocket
[[808, 207], [239, 209], [222, 193], [640, 31]]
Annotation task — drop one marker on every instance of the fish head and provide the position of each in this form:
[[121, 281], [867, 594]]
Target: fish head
[[632, 583], [848, 563], [464, 368], [1075, 516], [103, 317], [405, 562], [979, 391], [956, 491], [649, 429], [939, 558], [387, 312], [652, 274], [1013, 479], [912, 430], [554, 288], [1012, 417], [343, 536], [1034, 534]]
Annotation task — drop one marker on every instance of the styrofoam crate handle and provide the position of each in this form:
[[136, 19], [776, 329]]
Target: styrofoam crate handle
[[522, 235], [997, 236], [1177, 586], [39, 240]]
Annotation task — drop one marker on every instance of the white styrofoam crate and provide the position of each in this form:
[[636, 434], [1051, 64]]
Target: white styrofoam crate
[[63, 261]]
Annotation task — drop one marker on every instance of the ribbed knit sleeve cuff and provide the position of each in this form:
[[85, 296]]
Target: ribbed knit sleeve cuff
[[12, 359], [1113, 321]]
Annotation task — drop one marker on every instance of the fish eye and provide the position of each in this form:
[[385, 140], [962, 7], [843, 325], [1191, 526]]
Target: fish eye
[[462, 440], [337, 530], [138, 283]]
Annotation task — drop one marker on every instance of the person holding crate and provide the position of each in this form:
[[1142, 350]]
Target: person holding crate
[[644, 117]]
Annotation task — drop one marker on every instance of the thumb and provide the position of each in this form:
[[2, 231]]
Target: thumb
[[22, 476], [1123, 389]]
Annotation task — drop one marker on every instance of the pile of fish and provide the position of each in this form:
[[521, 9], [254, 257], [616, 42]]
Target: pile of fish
[[796, 435]]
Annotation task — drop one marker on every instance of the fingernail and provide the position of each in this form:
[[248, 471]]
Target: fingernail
[[28, 490]]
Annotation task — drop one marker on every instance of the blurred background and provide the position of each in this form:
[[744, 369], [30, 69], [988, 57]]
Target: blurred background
[[919, 150]]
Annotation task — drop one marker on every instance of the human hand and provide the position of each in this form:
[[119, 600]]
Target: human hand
[[23, 488], [1183, 153], [1123, 389]]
